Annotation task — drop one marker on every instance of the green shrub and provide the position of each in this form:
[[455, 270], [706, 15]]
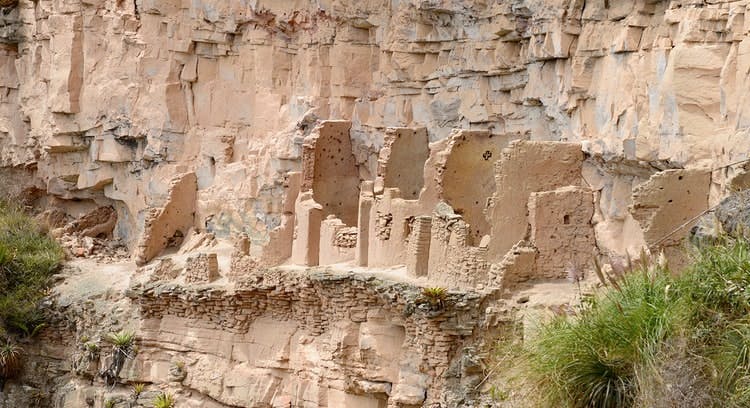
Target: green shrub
[[28, 258], [717, 287]]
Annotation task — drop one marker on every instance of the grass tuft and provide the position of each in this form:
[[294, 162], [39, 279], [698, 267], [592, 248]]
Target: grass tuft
[[28, 258], [594, 359], [138, 389], [651, 338]]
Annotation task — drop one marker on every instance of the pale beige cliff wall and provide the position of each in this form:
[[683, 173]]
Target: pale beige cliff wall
[[109, 99], [517, 137]]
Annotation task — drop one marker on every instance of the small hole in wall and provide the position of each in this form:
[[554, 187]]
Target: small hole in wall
[[566, 219], [669, 201], [680, 177]]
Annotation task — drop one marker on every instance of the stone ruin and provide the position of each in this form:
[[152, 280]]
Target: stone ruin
[[450, 211], [446, 211], [475, 213], [262, 189]]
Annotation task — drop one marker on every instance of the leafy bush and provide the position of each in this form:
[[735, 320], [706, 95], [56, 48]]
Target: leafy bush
[[28, 258]]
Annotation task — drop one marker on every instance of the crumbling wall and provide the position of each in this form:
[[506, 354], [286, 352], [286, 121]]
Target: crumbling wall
[[454, 260], [667, 206], [394, 198], [337, 241], [389, 228], [401, 160], [279, 246], [274, 330], [523, 168], [466, 179], [561, 231], [201, 268], [167, 226], [330, 170], [418, 245], [307, 221]]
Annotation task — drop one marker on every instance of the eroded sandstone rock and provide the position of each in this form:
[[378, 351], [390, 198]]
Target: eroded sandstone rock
[[458, 144]]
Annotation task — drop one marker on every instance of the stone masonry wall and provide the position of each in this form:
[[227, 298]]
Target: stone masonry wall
[[332, 332]]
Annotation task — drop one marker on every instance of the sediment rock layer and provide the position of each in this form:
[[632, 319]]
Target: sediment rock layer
[[475, 146], [109, 99]]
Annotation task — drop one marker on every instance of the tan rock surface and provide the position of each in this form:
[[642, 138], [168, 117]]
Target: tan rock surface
[[472, 145]]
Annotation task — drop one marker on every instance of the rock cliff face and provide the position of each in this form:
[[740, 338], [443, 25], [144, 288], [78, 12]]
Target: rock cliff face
[[479, 146]]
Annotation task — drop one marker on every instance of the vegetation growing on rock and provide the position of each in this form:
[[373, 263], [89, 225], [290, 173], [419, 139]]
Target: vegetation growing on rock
[[655, 339], [164, 400], [10, 361], [28, 258], [122, 349], [435, 297]]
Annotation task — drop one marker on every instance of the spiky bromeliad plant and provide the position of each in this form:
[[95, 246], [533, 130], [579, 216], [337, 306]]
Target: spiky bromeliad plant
[[138, 389], [435, 297], [122, 349], [164, 400], [10, 359]]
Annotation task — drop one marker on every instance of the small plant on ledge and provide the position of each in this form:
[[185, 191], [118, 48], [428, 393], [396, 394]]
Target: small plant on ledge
[[92, 350], [122, 349], [435, 297], [177, 372], [138, 389], [164, 400], [10, 361]]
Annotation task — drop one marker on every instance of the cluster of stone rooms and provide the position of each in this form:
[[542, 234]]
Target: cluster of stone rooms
[[472, 209]]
